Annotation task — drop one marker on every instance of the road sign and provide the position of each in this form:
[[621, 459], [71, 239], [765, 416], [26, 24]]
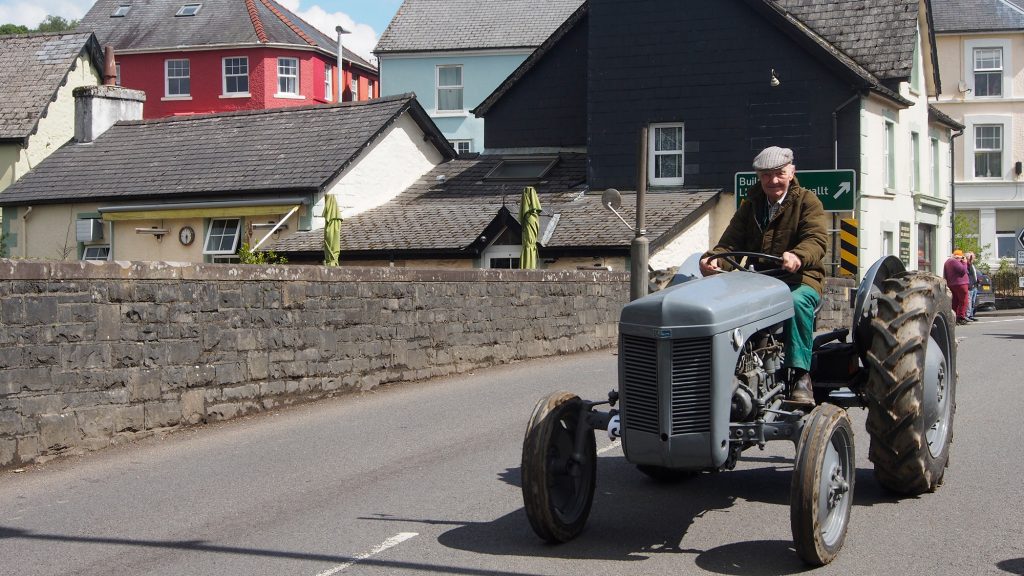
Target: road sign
[[1020, 257], [1020, 238], [837, 189], [848, 247]]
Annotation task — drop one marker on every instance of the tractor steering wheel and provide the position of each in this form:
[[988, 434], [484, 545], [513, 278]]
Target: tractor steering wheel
[[776, 261]]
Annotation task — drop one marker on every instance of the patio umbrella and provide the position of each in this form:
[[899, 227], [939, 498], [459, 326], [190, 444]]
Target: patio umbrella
[[332, 231], [529, 219]]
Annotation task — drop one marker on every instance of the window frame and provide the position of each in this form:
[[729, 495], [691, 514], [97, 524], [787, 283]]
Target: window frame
[[967, 57], [1012, 238], [653, 154], [889, 156], [996, 72], [190, 9], [457, 143], [915, 161], [997, 152], [209, 236], [187, 77], [86, 249], [460, 88], [121, 11], [935, 166], [225, 75], [353, 87], [293, 77], [328, 81]]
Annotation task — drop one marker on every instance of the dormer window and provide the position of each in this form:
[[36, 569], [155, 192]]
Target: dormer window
[[189, 10], [531, 168], [120, 11]]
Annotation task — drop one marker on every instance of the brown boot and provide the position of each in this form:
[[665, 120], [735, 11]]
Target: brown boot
[[802, 392]]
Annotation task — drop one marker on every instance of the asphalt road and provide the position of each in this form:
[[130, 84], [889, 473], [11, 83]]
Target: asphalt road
[[423, 479]]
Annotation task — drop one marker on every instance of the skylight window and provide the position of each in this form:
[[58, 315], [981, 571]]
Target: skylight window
[[532, 168], [189, 10], [120, 11]]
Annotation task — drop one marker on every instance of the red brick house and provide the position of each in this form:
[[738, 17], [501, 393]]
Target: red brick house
[[202, 56]]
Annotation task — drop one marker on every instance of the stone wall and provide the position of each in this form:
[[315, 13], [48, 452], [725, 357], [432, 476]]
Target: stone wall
[[96, 353]]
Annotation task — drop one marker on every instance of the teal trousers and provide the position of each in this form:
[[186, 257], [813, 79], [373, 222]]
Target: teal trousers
[[799, 330]]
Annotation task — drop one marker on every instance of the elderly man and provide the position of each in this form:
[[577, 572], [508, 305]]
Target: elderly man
[[780, 218]]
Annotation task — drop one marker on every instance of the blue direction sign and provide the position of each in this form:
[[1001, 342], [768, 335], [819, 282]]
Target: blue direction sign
[[835, 188]]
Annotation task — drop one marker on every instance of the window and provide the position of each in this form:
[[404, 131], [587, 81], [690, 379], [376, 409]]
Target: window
[[936, 187], [369, 89], [462, 146], [121, 11], [988, 150], [1006, 244], [988, 71], [176, 78], [189, 10], [117, 73], [97, 252], [527, 168], [288, 76], [236, 75], [449, 88], [222, 236], [888, 157], [665, 154], [504, 252], [328, 81], [353, 87], [925, 247], [915, 159]]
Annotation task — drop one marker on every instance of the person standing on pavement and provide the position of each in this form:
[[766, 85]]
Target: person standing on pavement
[[972, 287], [955, 273], [781, 218]]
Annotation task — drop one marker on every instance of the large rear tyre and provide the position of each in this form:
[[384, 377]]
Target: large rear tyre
[[821, 492], [911, 388], [558, 489]]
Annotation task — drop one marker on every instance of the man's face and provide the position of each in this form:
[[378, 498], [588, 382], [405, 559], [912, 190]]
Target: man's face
[[776, 182]]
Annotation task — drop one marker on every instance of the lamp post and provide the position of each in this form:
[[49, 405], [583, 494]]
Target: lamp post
[[341, 61]]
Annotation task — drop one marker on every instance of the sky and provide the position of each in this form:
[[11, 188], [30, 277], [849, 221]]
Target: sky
[[367, 19]]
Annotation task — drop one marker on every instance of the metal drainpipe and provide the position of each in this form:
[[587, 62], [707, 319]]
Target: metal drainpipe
[[952, 192], [835, 165]]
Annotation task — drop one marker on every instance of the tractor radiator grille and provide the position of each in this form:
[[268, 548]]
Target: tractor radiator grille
[[691, 385], [640, 383]]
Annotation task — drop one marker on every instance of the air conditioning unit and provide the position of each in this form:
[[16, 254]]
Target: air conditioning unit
[[89, 230]]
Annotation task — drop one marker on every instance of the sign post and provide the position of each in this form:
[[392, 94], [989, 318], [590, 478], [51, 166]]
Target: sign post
[[835, 188]]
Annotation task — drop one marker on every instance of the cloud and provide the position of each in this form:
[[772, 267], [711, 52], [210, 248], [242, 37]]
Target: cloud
[[362, 39]]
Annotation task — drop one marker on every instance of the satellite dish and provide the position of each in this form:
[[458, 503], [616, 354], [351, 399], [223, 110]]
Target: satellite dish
[[611, 199]]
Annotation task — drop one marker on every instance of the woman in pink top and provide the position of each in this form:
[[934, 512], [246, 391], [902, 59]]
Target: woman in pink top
[[955, 273]]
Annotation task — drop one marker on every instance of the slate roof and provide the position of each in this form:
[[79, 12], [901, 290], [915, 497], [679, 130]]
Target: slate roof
[[449, 217], [32, 69], [877, 34], [216, 155], [151, 25], [978, 15], [432, 25]]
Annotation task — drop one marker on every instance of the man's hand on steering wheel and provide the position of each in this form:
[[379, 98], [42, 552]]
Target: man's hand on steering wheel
[[791, 262], [709, 266]]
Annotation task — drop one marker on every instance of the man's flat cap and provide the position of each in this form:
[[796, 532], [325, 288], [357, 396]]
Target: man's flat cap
[[772, 158]]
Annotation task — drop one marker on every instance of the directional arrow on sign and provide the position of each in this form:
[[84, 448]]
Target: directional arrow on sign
[[844, 187], [1020, 237]]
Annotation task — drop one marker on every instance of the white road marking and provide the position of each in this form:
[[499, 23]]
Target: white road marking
[[389, 543], [609, 447]]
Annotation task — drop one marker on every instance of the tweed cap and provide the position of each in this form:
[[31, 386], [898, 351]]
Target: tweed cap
[[772, 158]]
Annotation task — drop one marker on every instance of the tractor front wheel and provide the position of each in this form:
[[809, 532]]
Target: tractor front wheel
[[821, 492], [911, 388], [558, 485]]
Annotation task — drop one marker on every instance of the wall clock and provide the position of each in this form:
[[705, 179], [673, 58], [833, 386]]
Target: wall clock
[[186, 235]]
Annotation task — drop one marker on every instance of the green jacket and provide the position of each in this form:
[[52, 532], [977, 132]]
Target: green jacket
[[800, 227]]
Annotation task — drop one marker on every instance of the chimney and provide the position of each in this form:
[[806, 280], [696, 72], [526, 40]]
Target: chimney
[[97, 108]]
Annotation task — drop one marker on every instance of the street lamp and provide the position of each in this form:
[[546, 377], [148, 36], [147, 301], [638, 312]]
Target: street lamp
[[341, 61]]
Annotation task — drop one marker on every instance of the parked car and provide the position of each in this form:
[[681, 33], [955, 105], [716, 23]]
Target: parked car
[[986, 296]]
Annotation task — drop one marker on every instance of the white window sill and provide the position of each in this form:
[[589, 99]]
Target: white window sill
[[290, 96], [890, 191], [172, 98], [237, 95], [450, 113]]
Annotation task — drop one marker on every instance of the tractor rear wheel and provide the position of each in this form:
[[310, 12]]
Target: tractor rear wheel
[[821, 492], [911, 387], [558, 488]]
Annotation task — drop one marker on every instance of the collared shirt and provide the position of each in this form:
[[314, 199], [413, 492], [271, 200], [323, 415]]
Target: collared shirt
[[773, 208]]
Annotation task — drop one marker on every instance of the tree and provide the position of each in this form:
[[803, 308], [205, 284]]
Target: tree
[[56, 24], [13, 29], [966, 237]]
